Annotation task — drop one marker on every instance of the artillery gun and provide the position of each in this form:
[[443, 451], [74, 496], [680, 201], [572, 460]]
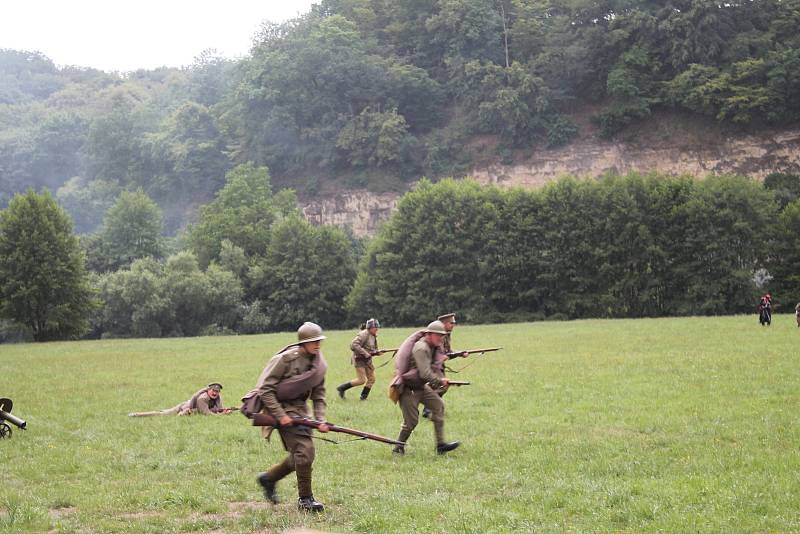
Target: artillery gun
[[5, 415]]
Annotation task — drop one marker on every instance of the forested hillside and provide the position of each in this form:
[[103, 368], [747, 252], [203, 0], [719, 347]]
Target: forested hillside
[[374, 93]]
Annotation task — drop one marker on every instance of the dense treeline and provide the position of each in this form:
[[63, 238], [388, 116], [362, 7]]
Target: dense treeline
[[251, 264], [376, 92], [164, 172], [632, 246]]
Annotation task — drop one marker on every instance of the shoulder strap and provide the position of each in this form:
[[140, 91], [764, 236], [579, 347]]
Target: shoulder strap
[[294, 387]]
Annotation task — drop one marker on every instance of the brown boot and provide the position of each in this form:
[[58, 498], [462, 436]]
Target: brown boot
[[269, 488], [341, 388], [310, 504], [401, 449], [442, 448]]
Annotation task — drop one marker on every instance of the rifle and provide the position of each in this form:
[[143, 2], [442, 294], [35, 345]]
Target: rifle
[[463, 353], [382, 351], [264, 419]]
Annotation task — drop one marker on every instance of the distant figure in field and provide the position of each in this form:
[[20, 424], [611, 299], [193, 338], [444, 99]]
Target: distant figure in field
[[765, 310], [207, 401], [364, 347], [797, 314]]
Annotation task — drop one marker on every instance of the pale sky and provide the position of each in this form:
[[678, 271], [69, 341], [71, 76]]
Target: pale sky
[[128, 35]]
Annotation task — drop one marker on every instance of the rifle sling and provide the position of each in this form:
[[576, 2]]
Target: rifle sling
[[337, 442], [387, 361]]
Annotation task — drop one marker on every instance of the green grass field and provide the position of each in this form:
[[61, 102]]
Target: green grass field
[[629, 425]]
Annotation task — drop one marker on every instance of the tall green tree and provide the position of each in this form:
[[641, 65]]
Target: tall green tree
[[43, 281], [242, 213], [131, 230], [786, 187], [187, 154], [425, 257], [725, 238], [305, 275], [784, 260]]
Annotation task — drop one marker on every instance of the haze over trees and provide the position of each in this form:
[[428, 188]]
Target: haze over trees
[[375, 93], [184, 182]]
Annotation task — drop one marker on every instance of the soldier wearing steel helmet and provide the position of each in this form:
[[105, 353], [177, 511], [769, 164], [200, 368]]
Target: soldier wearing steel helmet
[[292, 377], [364, 347], [449, 322], [422, 379]]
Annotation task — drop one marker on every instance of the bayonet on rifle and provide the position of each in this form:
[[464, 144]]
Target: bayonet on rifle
[[462, 353], [458, 383]]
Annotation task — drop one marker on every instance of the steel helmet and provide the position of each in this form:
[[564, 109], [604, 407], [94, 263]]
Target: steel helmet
[[373, 323], [436, 327], [309, 332]]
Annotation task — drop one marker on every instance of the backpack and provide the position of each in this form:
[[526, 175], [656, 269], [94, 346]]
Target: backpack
[[251, 404]]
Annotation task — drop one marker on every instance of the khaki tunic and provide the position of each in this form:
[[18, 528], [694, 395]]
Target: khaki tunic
[[363, 345], [205, 405], [287, 364], [422, 356]]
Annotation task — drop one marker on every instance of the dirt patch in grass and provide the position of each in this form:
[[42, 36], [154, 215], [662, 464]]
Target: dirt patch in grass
[[235, 510], [62, 511], [243, 506], [139, 515]]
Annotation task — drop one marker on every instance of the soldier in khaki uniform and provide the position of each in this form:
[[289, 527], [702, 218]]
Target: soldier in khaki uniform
[[449, 322], [207, 401], [421, 381], [302, 360], [364, 347]]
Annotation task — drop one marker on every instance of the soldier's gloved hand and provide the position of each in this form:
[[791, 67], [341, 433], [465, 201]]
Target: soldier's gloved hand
[[285, 421], [323, 427]]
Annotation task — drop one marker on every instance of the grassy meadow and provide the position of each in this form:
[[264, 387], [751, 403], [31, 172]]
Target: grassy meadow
[[671, 425]]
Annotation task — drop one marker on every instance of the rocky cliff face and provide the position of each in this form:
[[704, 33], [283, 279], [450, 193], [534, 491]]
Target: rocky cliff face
[[752, 156], [361, 211], [749, 156]]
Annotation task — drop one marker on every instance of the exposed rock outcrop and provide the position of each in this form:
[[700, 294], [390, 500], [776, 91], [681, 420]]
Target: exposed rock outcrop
[[363, 211], [749, 156]]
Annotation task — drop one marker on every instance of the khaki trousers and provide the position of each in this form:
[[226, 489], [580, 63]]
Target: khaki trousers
[[410, 400], [365, 375], [300, 446]]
